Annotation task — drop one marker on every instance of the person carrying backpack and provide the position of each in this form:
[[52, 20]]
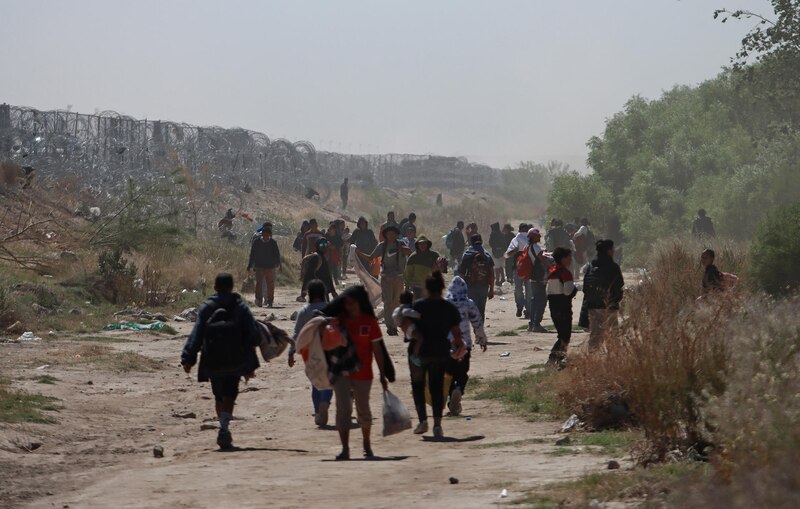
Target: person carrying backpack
[[533, 266], [316, 266], [560, 292], [522, 291], [226, 335], [557, 236], [477, 269], [455, 242], [602, 293]]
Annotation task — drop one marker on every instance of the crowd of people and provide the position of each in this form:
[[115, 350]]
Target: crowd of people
[[441, 324]]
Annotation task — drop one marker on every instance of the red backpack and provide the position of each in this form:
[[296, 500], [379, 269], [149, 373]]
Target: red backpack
[[525, 265]]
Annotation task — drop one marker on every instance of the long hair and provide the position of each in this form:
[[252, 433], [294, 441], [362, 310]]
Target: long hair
[[358, 293]]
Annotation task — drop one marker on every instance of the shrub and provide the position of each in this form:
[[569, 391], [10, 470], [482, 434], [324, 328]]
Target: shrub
[[118, 275], [775, 251], [669, 355]]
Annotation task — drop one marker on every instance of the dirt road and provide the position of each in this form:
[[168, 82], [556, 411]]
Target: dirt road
[[99, 453]]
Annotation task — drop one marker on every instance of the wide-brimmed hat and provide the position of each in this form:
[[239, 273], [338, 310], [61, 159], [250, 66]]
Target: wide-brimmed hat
[[421, 239]]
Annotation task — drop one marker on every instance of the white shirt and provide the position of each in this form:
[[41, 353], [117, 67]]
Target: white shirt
[[518, 244]]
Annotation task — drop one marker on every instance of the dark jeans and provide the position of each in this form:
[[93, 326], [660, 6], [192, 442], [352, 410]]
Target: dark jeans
[[522, 293], [511, 270], [460, 372], [537, 302], [479, 294], [225, 386], [561, 313], [433, 368]]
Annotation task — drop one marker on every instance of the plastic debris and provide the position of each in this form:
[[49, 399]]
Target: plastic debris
[[134, 326], [504, 493], [28, 336], [505, 354], [570, 423]]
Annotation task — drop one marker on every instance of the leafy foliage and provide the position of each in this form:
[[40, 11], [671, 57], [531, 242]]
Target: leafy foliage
[[776, 249]]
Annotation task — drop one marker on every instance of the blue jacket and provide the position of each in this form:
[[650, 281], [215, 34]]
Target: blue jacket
[[195, 341]]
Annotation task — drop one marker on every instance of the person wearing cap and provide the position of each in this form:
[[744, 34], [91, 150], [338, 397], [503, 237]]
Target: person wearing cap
[[264, 260], [477, 269], [315, 266], [393, 254], [420, 265], [537, 301], [522, 288]]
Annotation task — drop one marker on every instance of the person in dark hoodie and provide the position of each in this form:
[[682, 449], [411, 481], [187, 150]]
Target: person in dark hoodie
[[315, 266], [477, 269], [498, 245], [227, 334], [602, 293], [364, 239], [265, 259]]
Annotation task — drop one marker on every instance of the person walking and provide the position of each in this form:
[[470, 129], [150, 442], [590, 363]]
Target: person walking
[[390, 221], [557, 236], [438, 320], [364, 239], [315, 266], [226, 335], [703, 226], [320, 399], [334, 253], [356, 317], [522, 290], [498, 245], [538, 294], [583, 240], [344, 192], [420, 265], [455, 243], [602, 293], [264, 260], [510, 265], [410, 222], [712, 278], [471, 320], [477, 269], [393, 255], [311, 237], [560, 292]]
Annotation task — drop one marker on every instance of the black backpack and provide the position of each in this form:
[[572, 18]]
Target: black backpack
[[224, 346], [480, 270]]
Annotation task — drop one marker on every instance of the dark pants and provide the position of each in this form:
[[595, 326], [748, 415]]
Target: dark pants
[[537, 302], [460, 372], [561, 313], [522, 293], [479, 294], [511, 269], [225, 387], [433, 368]]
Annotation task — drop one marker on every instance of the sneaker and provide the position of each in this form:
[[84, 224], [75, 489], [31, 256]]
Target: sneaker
[[224, 439], [321, 418], [421, 428], [526, 315], [269, 305], [455, 402], [538, 329], [438, 432], [519, 313], [258, 303], [392, 332]]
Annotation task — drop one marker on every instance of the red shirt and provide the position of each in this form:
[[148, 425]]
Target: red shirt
[[363, 331]]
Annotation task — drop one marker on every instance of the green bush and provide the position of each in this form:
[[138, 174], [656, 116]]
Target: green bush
[[775, 250]]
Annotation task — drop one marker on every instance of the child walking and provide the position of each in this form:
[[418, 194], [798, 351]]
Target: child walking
[[471, 320], [560, 292], [321, 399]]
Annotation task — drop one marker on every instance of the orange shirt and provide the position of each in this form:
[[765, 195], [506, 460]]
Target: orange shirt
[[363, 331]]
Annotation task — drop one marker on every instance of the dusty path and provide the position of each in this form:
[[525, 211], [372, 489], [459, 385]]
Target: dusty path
[[99, 454]]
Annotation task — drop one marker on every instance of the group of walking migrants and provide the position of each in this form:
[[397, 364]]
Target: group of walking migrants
[[338, 334]]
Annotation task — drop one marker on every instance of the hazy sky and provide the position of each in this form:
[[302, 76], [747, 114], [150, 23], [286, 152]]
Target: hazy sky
[[496, 81]]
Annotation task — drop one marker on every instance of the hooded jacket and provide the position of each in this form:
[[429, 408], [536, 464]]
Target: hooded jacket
[[420, 264], [497, 241], [602, 284], [364, 239], [457, 294]]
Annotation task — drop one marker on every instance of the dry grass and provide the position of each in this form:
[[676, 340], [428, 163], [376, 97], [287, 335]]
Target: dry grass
[[98, 356]]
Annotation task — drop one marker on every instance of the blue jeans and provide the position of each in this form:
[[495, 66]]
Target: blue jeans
[[522, 292], [320, 396], [537, 302]]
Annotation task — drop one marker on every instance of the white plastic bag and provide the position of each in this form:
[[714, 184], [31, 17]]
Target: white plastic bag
[[396, 418]]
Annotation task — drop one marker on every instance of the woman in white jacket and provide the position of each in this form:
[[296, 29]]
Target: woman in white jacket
[[471, 319]]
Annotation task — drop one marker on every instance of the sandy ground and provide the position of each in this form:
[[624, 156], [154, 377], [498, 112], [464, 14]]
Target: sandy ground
[[99, 454]]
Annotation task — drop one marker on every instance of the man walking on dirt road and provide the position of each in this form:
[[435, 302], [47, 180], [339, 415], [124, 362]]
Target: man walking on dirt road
[[265, 259], [393, 255], [477, 269], [226, 335], [602, 293]]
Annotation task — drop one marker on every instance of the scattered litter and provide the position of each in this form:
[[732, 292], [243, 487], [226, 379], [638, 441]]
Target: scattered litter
[[613, 465], [537, 349], [28, 336], [189, 314], [179, 318], [14, 327], [43, 367], [184, 415], [271, 317], [503, 298], [570, 423], [206, 427], [158, 452], [504, 493], [453, 480], [158, 325], [89, 383], [469, 417], [505, 354], [50, 235]]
